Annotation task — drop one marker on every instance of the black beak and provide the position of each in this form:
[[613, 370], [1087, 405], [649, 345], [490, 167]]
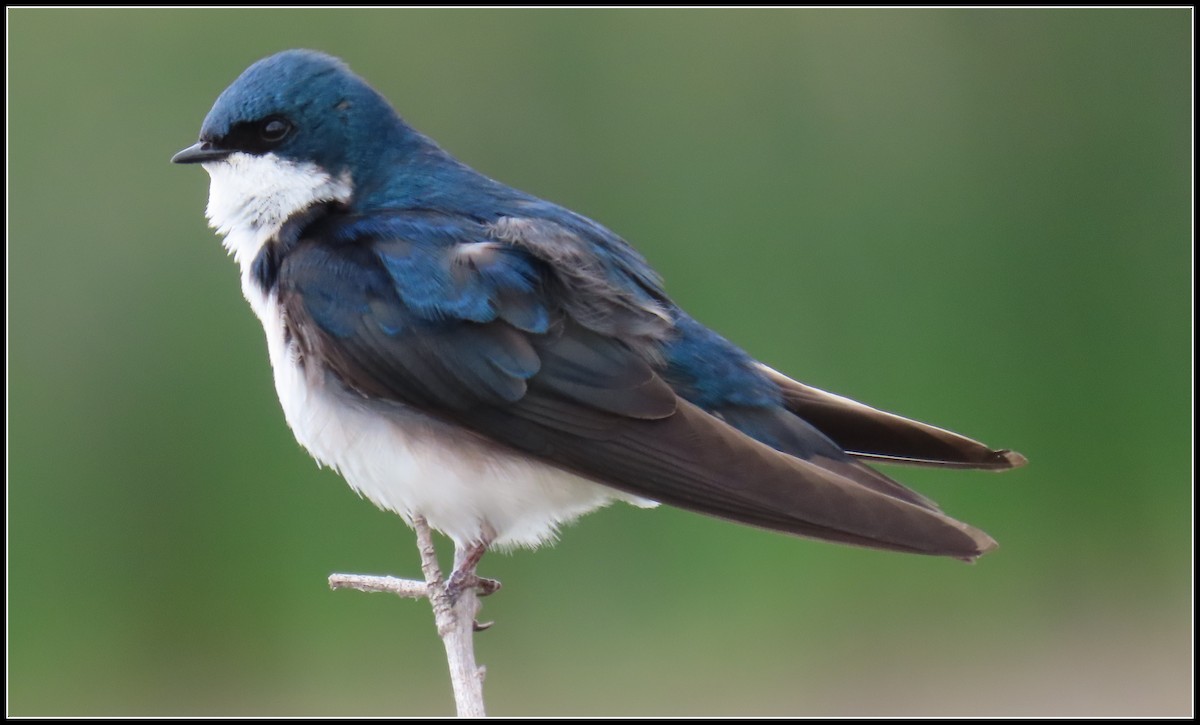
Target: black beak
[[200, 152]]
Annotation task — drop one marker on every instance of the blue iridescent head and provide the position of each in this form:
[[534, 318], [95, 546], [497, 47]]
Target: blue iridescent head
[[299, 105]]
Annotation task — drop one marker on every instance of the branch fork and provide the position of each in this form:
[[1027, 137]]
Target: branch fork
[[455, 603]]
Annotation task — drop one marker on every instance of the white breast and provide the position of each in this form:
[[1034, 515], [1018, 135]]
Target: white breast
[[465, 487]]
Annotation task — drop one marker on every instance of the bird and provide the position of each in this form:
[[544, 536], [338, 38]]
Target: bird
[[498, 365]]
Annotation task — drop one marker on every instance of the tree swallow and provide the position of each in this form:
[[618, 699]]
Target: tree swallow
[[466, 352]]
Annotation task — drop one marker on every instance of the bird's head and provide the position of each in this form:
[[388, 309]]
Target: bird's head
[[295, 129]]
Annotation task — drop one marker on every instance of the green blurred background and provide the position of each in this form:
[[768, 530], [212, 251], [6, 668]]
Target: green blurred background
[[976, 218]]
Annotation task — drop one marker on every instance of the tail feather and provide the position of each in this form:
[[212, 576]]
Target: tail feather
[[872, 434]]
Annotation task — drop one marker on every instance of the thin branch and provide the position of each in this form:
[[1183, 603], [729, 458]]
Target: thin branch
[[407, 588], [456, 624], [455, 619]]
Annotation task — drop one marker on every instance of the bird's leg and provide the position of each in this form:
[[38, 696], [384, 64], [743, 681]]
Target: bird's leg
[[466, 559], [464, 578]]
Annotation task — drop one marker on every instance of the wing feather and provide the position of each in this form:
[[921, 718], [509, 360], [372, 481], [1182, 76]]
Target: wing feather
[[484, 338], [869, 433]]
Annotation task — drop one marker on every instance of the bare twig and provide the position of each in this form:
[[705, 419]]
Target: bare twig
[[407, 588], [455, 623], [455, 618]]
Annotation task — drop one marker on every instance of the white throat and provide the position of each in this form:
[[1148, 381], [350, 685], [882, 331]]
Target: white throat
[[250, 197]]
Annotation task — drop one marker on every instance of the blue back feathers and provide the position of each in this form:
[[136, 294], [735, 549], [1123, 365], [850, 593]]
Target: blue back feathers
[[416, 245]]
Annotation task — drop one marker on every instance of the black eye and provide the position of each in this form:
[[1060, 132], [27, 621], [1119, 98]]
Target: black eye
[[273, 130]]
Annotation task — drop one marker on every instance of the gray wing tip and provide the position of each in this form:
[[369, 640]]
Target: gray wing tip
[[1005, 459], [983, 544]]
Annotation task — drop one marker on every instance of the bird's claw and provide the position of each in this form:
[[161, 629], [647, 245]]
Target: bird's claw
[[487, 586], [461, 581]]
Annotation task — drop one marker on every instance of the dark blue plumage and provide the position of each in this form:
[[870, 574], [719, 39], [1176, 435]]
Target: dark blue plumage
[[708, 370], [414, 303]]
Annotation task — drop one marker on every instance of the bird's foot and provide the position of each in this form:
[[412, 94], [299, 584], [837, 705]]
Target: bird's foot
[[460, 581], [463, 578], [487, 587]]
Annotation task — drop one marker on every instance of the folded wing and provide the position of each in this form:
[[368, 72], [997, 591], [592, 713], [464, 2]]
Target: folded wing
[[432, 313]]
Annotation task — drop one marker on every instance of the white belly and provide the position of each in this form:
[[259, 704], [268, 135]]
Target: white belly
[[410, 464]]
